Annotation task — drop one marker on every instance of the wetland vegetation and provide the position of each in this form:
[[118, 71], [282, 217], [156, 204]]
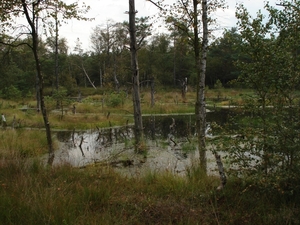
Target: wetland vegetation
[[241, 91], [31, 192]]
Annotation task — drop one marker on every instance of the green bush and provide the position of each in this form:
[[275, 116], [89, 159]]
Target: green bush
[[11, 92], [115, 99], [218, 85]]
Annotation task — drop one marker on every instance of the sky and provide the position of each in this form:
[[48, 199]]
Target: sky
[[115, 10]]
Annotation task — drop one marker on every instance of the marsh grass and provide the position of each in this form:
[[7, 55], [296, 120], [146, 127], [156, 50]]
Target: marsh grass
[[92, 111], [34, 194], [22, 143]]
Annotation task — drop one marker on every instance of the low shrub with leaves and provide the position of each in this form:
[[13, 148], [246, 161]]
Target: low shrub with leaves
[[115, 100], [11, 93]]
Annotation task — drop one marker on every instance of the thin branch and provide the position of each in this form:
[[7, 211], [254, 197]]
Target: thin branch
[[140, 42], [187, 11], [155, 4], [284, 5], [15, 45]]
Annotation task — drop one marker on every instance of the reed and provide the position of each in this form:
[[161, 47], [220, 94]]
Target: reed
[[23, 143]]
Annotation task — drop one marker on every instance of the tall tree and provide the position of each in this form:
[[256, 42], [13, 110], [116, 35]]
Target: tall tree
[[200, 105], [16, 68], [156, 60], [32, 11], [111, 43], [56, 50], [222, 54], [138, 123], [185, 16], [102, 39]]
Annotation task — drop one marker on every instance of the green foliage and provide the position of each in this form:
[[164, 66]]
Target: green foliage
[[50, 102], [218, 85], [115, 99], [168, 64], [264, 139], [11, 93], [189, 147], [60, 95], [222, 56]]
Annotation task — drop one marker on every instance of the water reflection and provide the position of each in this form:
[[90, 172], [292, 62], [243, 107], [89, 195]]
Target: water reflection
[[165, 136]]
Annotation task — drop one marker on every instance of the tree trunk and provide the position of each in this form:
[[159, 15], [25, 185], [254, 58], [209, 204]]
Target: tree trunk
[[37, 84], [200, 108], [174, 60], [87, 76], [223, 178], [138, 124], [184, 89], [37, 93], [100, 77], [152, 91], [42, 102], [40, 77], [56, 56], [117, 84]]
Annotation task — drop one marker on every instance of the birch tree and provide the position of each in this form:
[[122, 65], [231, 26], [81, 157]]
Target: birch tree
[[200, 106], [138, 123], [184, 15]]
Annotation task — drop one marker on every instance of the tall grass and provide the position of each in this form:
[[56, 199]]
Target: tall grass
[[23, 143], [34, 194], [95, 111]]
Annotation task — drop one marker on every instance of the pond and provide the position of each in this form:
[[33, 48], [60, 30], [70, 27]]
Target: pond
[[165, 136]]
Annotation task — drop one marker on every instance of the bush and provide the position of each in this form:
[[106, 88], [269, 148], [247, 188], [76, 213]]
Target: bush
[[218, 85], [115, 99], [11, 92]]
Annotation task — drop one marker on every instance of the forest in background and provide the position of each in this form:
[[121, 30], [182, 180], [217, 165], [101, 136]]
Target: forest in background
[[262, 142], [166, 58], [263, 49]]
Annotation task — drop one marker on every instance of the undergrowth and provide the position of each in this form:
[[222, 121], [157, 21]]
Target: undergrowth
[[97, 110], [34, 194]]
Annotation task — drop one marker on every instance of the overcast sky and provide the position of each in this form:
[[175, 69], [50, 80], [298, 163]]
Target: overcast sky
[[104, 10]]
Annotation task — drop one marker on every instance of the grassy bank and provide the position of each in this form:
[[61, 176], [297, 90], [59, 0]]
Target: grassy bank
[[32, 194], [108, 109]]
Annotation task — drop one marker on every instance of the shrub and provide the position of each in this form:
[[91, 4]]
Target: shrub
[[115, 99], [218, 85], [11, 92]]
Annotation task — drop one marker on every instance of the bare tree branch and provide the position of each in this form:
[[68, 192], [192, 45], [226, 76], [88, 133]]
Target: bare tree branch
[[88, 77], [155, 4], [15, 45]]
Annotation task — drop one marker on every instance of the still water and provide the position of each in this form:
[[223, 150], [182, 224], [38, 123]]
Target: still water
[[164, 135]]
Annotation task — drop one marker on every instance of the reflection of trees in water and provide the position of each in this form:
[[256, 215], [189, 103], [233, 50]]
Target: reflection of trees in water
[[104, 136], [155, 127], [113, 145], [63, 136], [161, 126]]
